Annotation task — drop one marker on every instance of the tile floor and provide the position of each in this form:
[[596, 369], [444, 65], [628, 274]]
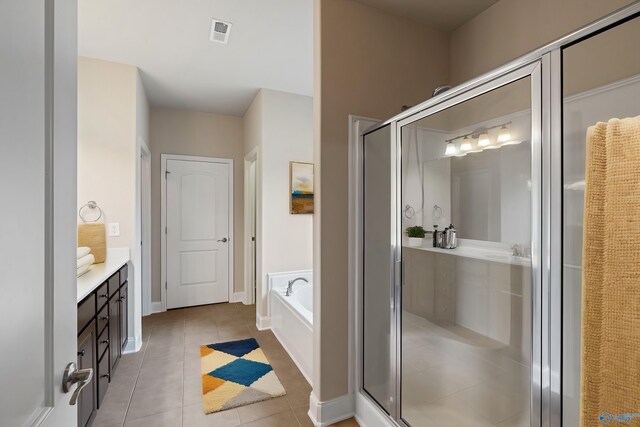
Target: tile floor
[[460, 378], [160, 386]]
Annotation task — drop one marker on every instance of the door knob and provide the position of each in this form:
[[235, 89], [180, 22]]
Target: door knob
[[223, 240], [74, 375]]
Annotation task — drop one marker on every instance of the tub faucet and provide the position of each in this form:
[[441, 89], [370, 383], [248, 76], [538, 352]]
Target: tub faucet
[[516, 250], [290, 285]]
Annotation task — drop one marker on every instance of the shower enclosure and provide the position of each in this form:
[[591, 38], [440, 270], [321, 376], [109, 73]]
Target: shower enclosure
[[488, 333]]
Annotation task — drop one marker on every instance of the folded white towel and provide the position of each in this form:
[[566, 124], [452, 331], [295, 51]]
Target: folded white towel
[[82, 251], [85, 260], [82, 270]]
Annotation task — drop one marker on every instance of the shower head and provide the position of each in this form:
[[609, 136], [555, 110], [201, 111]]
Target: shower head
[[441, 89]]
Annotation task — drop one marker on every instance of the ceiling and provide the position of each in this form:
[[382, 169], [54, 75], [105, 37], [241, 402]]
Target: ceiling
[[271, 46], [444, 15]]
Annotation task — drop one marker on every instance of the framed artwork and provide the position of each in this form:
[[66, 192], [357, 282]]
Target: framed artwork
[[301, 187]]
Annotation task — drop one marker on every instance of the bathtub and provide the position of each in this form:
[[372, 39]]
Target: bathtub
[[292, 317]]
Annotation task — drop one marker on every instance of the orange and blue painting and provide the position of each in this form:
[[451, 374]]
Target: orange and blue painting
[[301, 180]]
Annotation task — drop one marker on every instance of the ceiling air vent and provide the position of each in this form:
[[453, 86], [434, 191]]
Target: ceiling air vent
[[220, 31]]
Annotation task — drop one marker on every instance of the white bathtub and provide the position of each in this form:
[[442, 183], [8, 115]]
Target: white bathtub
[[292, 317]]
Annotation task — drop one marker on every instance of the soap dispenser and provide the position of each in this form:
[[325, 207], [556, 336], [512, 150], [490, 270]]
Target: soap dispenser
[[450, 237]]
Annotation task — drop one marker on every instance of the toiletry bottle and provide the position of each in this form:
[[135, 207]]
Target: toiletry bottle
[[451, 238], [434, 235]]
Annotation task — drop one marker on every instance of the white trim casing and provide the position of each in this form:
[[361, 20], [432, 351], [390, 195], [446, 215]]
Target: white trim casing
[[249, 290], [263, 322], [237, 297], [143, 226], [331, 411], [156, 307], [163, 221]]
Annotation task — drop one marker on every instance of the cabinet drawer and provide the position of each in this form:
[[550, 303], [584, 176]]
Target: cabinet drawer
[[124, 274], [103, 378], [103, 343], [102, 295], [114, 284], [103, 319], [86, 311]]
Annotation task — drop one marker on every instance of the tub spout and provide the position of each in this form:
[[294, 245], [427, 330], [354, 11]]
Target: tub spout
[[290, 285]]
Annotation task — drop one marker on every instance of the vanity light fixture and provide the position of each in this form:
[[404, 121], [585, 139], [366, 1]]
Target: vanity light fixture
[[450, 150], [483, 140], [466, 145], [504, 135]]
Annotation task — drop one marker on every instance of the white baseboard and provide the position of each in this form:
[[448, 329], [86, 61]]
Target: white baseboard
[[370, 415], [263, 322], [133, 345], [331, 411], [156, 307], [237, 297]]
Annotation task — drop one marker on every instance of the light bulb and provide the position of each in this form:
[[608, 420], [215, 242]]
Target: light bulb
[[466, 145], [450, 150], [512, 142], [504, 135], [483, 140]]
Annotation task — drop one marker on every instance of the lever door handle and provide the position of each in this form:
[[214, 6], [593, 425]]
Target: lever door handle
[[223, 240], [73, 375]]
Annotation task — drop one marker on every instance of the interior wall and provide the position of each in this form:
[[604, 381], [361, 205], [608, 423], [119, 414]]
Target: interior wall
[[368, 63], [113, 113], [107, 143], [281, 125], [195, 134], [511, 28]]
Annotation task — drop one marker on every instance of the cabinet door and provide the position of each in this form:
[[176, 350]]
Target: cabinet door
[[124, 315], [87, 360], [114, 330]]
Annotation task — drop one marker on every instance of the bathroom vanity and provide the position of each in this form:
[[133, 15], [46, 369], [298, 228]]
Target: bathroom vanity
[[102, 328]]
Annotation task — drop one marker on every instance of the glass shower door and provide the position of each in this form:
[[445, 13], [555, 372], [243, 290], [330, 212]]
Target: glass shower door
[[468, 291], [378, 254]]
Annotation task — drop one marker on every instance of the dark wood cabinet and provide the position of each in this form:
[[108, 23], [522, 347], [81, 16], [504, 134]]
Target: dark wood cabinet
[[124, 315], [102, 334], [87, 403], [115, 347]]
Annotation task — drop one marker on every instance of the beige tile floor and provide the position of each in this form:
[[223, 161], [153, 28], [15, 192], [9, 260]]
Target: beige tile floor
[[160, 386], [460, 379]]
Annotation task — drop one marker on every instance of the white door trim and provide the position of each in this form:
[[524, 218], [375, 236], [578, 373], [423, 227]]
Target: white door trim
[[143, 226], [249, 291], [163, 211]]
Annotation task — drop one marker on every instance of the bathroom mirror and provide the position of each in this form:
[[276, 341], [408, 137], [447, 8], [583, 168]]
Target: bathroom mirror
[[470, 165]]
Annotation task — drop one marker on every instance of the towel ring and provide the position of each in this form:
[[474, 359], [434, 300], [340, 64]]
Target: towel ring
[[437, 212], [91, 205]]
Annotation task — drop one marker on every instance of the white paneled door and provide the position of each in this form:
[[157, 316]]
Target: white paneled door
[[38, 113], [198, 236]]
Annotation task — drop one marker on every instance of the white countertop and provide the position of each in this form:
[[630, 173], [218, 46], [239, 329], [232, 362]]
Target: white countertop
[[99, 273], [479, 253]]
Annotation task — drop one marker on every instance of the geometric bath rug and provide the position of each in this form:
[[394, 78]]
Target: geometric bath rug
[[236, 373]]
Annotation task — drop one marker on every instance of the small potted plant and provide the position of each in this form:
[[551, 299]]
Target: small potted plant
[[415, 234]]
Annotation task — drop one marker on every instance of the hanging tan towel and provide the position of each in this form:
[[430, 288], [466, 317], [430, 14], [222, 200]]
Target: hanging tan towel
[[610, 365], [95, 237]]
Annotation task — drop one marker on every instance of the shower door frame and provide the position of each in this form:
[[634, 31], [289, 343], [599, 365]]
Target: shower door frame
[[538, 213], [546, 405]]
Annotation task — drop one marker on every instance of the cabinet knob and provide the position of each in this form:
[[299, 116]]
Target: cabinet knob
[[104, 342], [108, 376], [104, 296], [82, 353], [105, 318]]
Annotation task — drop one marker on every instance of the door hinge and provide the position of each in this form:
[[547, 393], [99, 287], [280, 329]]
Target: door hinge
[[165, 229], [166, 173], [165, 285]]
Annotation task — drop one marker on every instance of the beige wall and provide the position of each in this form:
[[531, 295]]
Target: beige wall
[[113, 113], [511, 28], [195, 134], [370, 63], [107, 142], [281, 124]]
